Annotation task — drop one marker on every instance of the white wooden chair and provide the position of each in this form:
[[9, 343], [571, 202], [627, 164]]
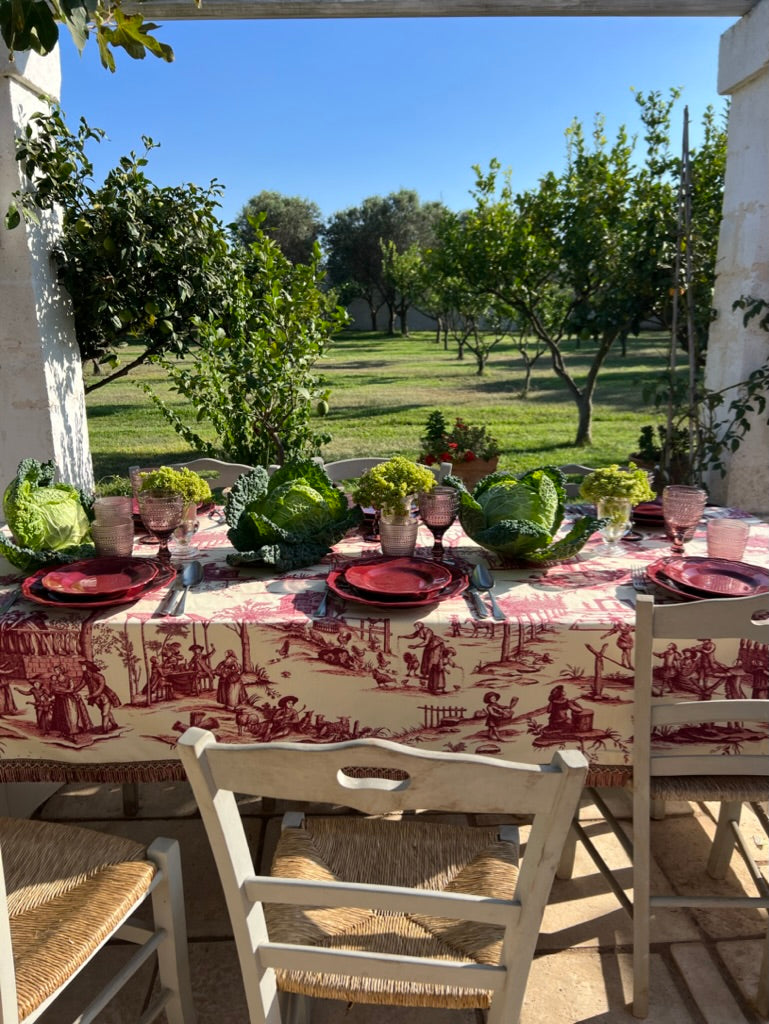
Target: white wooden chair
[[350, 469], [384, 888], [574, 469], [228, 472], [64, 892], [664, 771]]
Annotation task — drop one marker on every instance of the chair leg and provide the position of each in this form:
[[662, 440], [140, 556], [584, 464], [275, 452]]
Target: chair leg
[[762, 995], [130, 792], [641, 913], [565, 867], [723, 841], [168, 911], [294, 1008]]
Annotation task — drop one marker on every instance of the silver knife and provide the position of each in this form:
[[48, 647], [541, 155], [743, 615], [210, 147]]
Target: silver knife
[[481, 610]]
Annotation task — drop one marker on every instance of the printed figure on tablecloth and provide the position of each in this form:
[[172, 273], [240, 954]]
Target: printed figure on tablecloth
[[624, 632], [42, 701], [437, 656], [69, 716], [7, 703], [230, 692], [100, 695], [200, 665], [495, 713]]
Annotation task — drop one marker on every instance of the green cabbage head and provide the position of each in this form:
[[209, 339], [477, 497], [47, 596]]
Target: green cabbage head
[[47, 519], [518, 517]]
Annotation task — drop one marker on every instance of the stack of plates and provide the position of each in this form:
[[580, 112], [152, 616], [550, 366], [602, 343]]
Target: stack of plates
[[397, 582], [693, 579], [648, 514], [97, 582]]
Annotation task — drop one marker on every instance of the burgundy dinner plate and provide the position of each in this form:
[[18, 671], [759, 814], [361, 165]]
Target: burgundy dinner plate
[[655, 573], [338, 585], [100, 577], [32, 588], [408, 578], [717, 577]]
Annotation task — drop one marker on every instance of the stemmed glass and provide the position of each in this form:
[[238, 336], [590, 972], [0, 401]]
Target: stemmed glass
[[161, 513], [438, 509], [682, 508], [616, 513]]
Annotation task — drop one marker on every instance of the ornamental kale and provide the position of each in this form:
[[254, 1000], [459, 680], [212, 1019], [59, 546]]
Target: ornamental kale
[[288, 520], [518, 517], [48, 522]]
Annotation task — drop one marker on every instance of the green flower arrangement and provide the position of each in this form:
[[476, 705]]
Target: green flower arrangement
[[387, 486], [615, 481], [192, 487]]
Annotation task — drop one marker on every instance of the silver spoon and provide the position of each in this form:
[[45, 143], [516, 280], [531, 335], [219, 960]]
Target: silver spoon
[[484, 581], [192, 574]]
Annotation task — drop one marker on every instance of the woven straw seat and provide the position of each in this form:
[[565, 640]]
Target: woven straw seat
[[720, 788], [68, 890], [380, 909], [403, 853]]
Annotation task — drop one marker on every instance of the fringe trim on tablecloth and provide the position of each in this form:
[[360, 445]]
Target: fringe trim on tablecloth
[[60, 771], [609, 775]]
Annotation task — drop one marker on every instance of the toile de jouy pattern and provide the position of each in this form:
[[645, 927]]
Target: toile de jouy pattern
[[104, 694]]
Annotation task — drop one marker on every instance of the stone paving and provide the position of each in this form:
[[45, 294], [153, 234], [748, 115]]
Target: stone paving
[[704, 963]]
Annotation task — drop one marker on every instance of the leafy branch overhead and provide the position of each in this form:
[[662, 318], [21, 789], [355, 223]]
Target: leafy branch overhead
[[34, 25]]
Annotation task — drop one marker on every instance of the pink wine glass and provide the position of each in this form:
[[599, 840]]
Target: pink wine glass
[[161, 513], [438, 509], [682, 508]]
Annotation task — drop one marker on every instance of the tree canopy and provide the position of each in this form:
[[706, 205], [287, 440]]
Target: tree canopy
[[294, 223]]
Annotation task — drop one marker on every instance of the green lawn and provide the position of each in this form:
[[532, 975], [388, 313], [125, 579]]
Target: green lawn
[[382, 389]]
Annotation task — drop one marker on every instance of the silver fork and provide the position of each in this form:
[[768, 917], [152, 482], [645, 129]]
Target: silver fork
[[639, 579]]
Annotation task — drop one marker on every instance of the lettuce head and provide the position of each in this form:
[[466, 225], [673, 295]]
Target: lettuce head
[[48, 522], [287, 520], [518, 517]]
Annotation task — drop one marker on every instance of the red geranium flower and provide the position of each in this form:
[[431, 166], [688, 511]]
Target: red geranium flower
[[469, 456]]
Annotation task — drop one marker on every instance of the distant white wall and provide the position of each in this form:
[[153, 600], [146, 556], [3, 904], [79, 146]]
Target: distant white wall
[[42, 403], [361, 318]]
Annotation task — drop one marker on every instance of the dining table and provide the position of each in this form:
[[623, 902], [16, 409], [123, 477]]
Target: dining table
[[102, 692]]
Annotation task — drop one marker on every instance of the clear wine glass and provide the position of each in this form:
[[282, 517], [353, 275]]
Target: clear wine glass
[[682, 507], [181, 546], [616, 512], [438, 509], [161, 513]]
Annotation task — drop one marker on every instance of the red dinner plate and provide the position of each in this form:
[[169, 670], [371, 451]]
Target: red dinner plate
[[100, 577], [397, 577], [717, 577], [32, 588], [655, 573], [338, 585]]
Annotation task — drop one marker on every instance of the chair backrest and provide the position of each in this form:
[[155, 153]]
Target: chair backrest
[[350, 469], [574, 469], [228, 472], [395, 778], [664, 718]]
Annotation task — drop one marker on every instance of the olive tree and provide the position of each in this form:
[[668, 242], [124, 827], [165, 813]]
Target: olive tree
[[291, 221]]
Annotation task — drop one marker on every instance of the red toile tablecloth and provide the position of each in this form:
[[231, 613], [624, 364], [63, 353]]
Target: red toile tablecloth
[[104, 694]]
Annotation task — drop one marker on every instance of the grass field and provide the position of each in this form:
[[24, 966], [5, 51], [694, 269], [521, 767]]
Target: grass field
[[382, 389]]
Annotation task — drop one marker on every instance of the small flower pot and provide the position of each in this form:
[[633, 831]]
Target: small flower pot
[[470, 473]]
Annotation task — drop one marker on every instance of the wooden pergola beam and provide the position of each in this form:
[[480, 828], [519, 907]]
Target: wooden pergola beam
[[245, 9]]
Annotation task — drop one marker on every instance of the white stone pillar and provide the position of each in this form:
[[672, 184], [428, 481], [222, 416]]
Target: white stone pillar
[[734, 350], [42, 402]]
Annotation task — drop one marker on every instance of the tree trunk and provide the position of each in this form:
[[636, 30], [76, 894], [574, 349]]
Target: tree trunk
[[403, 311], [373, 312], [585, 412]]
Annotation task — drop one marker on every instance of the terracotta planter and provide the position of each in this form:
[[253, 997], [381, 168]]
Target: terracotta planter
[[470, 473]]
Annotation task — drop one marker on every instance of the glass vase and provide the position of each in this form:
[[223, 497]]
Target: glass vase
[[398, 534]]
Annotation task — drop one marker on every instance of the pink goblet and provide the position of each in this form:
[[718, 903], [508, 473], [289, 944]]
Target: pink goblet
[[161, 513], [682, 508], [438, 509]]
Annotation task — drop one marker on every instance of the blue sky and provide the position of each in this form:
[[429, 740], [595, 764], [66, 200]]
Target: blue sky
[[339, 110]]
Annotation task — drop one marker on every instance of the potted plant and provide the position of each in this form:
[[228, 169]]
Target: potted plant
[[472, 450], [391, 488], [615, 490], [194, 491], [668, 461]]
